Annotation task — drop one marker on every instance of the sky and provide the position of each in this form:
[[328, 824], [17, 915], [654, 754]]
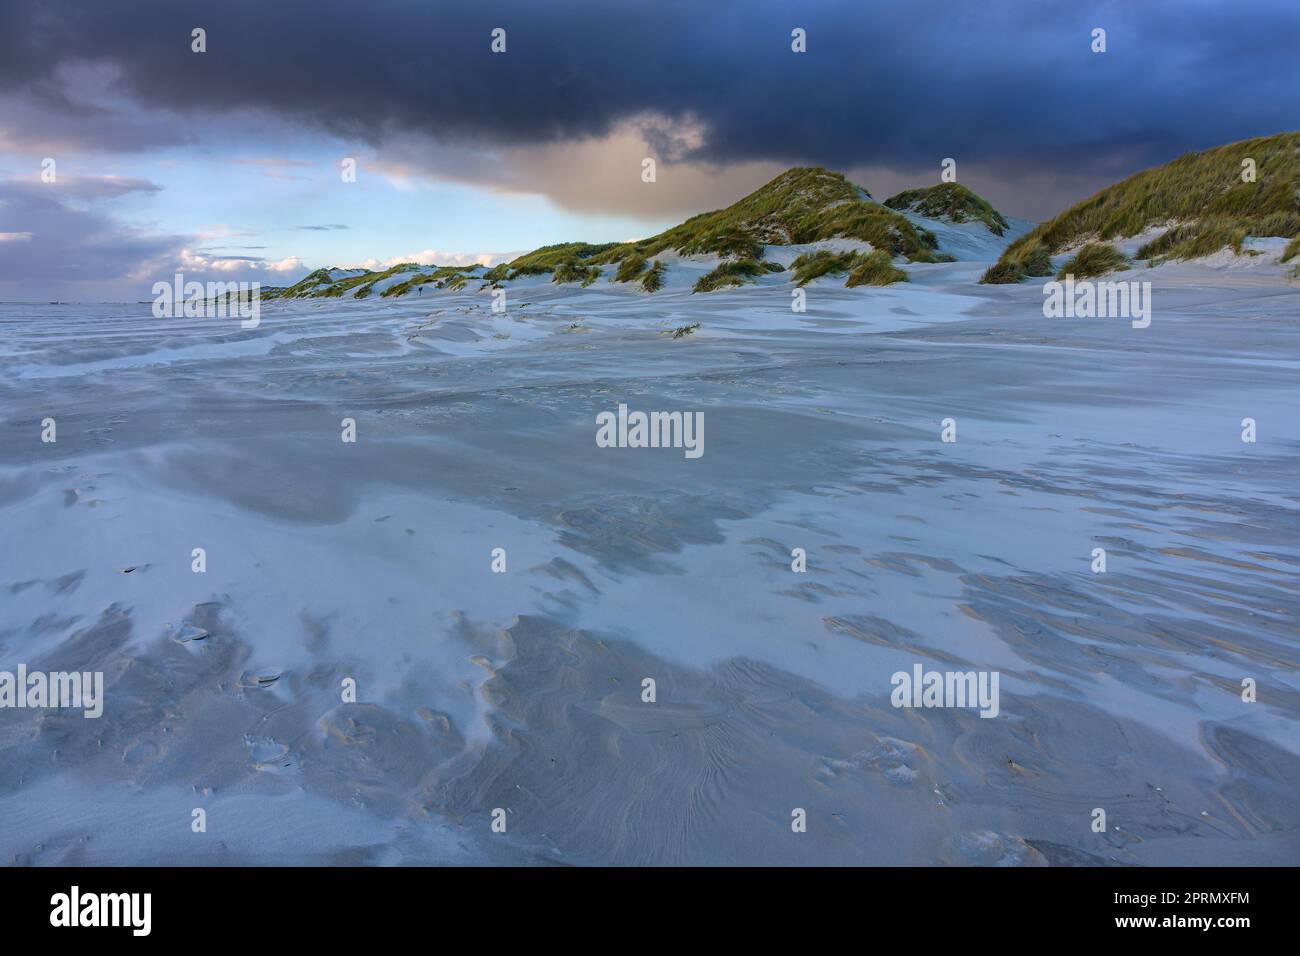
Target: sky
[[228, 163]]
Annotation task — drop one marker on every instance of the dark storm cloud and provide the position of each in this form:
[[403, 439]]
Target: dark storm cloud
[[898, 83]]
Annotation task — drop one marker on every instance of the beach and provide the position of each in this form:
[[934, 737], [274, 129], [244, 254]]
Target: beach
[[497, 586]]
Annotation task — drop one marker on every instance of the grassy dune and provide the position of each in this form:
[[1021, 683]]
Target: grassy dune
[[802, 205], [863, 268], [1200, 198], [951, 202]]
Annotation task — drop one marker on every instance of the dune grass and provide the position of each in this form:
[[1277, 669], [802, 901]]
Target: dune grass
[[307, 285], [863, 268], [1002, 273], [574, 257], [728, 274], [441, 277], [630, 268], [952, 202], [320, 284], [876, 268], [1092, 260], [572, 271], [1028, 259], [802, 205], [813, 265], [351, 283], [653, 280], [1200, 197]]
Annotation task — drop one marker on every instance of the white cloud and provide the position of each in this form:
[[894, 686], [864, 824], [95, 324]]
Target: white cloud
[[437, 257]]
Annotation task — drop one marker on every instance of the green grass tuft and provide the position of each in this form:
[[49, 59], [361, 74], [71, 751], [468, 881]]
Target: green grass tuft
[[1093, 259], [813, 265], [571, 271], [630, 268], [729, 274], [875, 269], [1003, 273], [653, 280], [1021, 260]]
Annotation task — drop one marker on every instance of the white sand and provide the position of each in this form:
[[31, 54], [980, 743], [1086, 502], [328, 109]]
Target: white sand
[[522, 690]]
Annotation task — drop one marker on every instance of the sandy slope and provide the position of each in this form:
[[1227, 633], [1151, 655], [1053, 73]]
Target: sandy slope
[[522, 690]]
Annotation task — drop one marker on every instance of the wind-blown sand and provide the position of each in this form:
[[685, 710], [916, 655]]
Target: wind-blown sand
[[522, 690]]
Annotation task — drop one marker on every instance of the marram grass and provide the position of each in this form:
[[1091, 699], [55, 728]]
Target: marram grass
[[1203, 201]]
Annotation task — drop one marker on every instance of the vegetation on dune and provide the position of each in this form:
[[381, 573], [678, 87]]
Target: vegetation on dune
[[876, 268], [1028, 259], [813, 265], [1292, 250], [1035, 259], [1200, 197], [441, 277], [863, 268], [630, 268], [802, 205], [401, 288], [362, 285], [952, 202], [883, 229], [731, 273], [1002, 273], [304, 286], [319, 282], [350, 283], [1093, 259], [323, 284], [572, 271], [682, 330], [653, 280], [1190, 240], [737, 244], [577, 255], [531, 269]]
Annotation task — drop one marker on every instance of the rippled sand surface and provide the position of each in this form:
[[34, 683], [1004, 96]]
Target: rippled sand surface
[[523, 690]]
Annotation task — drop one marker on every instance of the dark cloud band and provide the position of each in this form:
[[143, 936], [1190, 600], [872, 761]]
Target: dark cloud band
[[882, 83]]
